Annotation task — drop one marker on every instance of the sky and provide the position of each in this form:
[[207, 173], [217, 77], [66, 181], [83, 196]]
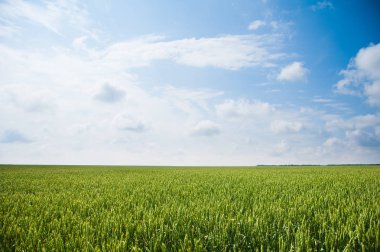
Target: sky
[[203, 82]]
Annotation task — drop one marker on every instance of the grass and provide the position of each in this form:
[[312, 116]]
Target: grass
[[87, 208]]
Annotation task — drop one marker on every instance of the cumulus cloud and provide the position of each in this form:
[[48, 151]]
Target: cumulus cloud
[[332, 141], [293, 72], [109, 94], [256, 24], [127, 122], [363, 130], [321, 5], [364, 121], [377, 130], [362, 75], [13, 136], [353, 123], [62, 74], [280, 126], [365, 137], [243, 108], [282, 147], [275, 25], [205, 128], [356, 133]]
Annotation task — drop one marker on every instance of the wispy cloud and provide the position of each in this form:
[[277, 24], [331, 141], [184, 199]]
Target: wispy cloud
[[45, 15], [54, 16], [78, 97], [321, 5], [8, 30], [189, 101], [322, 100], [228, 52]]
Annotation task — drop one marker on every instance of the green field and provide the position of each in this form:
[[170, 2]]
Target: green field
[[87, 208]]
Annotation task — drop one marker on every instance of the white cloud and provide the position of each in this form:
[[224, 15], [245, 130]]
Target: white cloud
[[55, 16], [368, 61], [281, 126], [80, 42], [8, 30], [282, 147], [190, 101], [256, 24], [38, 101], [350, 83], [293, 72], [356, 134], [205, 128], [322, 100], [127, 122], [48, 93], [275, 25], [365, 138], [364, 121], [356, 123], [320, 5], [372, 91], [332, 141], [228, 52], [109, 94], [13, 136], [377, 130], [243, 108], [362, 76], [46, 16]]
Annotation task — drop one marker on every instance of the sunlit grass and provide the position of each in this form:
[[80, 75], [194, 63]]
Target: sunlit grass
[[156, 208]]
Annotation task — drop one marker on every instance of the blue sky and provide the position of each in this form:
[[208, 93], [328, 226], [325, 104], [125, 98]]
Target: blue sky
[[189, 82]]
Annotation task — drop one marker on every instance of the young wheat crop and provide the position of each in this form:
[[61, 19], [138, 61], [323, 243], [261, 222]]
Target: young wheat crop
[[78, 208]]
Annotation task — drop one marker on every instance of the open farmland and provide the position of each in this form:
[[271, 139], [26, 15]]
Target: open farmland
[[87, 208]]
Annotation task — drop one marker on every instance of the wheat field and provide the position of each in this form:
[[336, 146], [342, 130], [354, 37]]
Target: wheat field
[[105, 208]]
